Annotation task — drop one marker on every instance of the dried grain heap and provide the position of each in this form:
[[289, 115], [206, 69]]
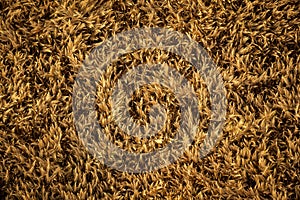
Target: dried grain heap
[[255, 45]]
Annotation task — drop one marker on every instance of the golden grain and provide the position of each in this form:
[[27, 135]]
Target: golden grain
[[255, 45]]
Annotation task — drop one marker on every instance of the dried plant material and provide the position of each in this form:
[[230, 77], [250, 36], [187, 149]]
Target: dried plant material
[[255, 45]]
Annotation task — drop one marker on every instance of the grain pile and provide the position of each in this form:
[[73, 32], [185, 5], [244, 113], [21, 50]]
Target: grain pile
[[255, 45]]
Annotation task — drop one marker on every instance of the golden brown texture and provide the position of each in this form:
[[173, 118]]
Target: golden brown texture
[[255, 45]]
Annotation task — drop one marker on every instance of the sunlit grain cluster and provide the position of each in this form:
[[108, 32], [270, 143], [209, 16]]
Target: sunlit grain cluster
[[255, 45]]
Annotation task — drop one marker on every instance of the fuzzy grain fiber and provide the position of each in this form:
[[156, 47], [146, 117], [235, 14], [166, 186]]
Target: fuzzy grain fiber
[[255, 45]]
